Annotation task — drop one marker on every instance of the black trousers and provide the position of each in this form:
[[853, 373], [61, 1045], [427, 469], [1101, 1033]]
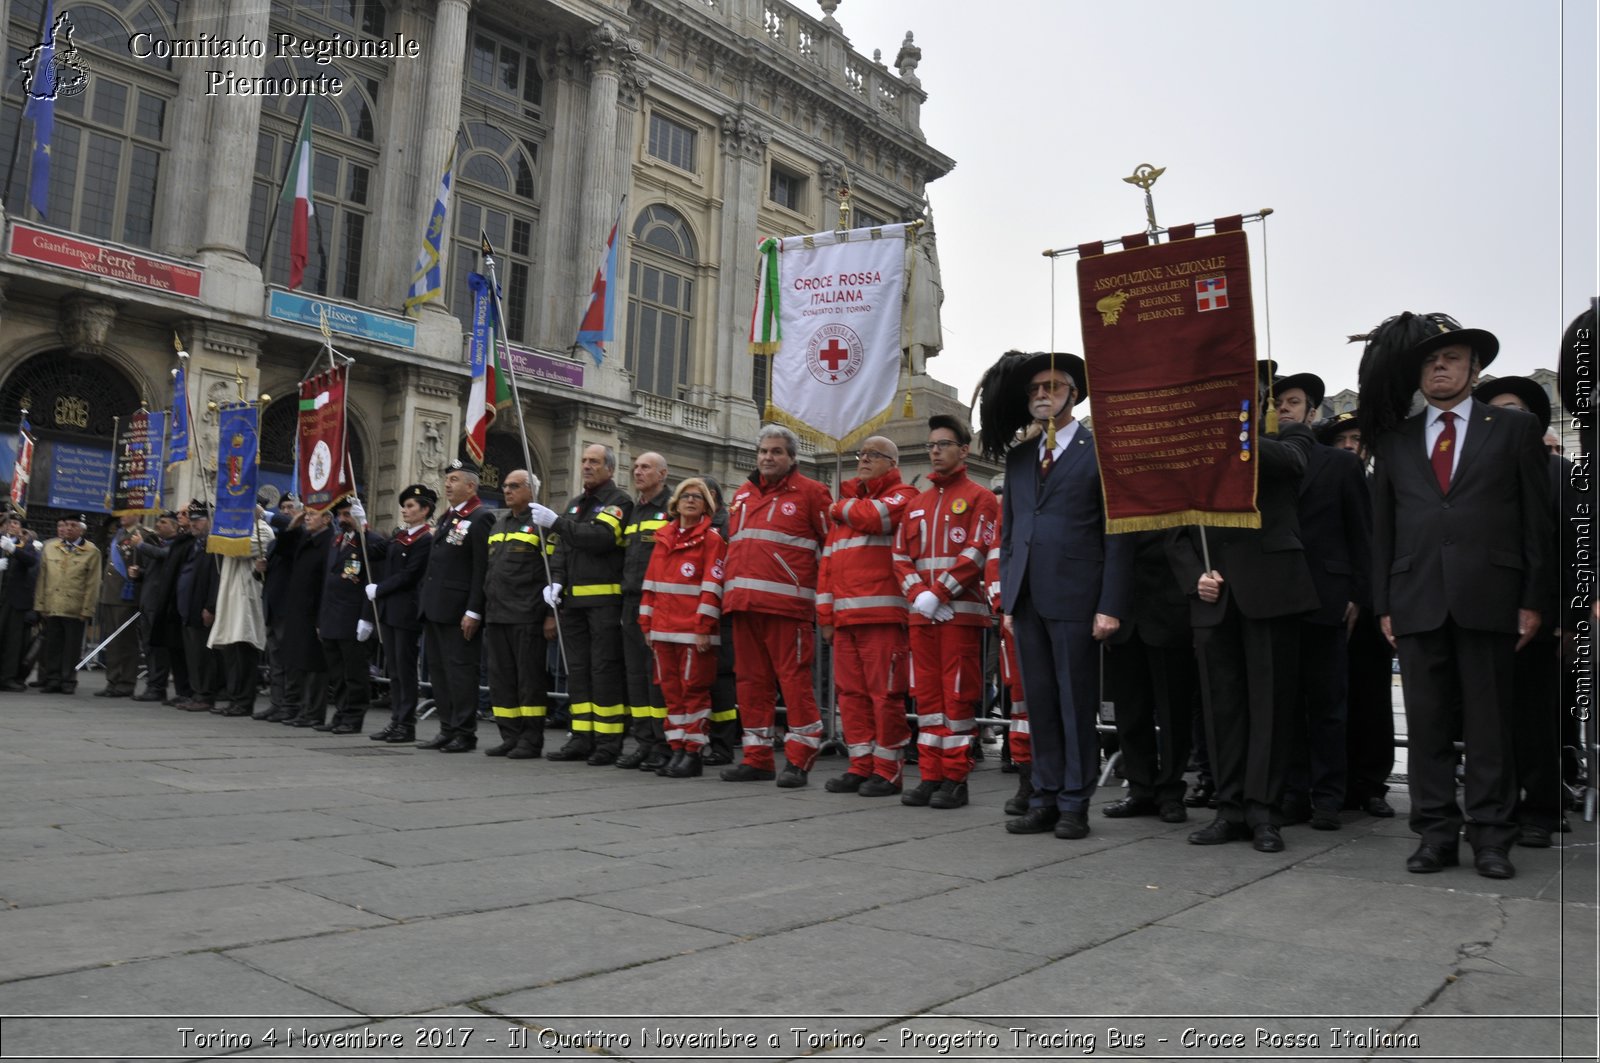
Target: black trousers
[[239, 663], [1060, 662], [647, 705], [1153, 688], [1458, 684], [1248, 677], [453, 664], [63, 644], [14, 634], [401, 649], [347, 680], [164, 656], [1369, 725], [283, 690], [1317, 768], [121, 655], [1536, 675], [205, 668], [517, 677], [595, 681]]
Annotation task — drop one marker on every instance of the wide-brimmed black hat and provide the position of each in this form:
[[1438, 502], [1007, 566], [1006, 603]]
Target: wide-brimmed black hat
[[422, 493], [1070, 364], [1336, 426], [1310, 383], [1531, 394], [1484, 344], [1001, 398]]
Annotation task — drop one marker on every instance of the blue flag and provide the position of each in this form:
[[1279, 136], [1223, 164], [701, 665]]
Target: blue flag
[[237, 456], [427, 282], [178, 449], [40, 85]]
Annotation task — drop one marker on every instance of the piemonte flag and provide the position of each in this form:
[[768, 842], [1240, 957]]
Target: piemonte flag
[[321, 457], [297, 195], [599, 324]]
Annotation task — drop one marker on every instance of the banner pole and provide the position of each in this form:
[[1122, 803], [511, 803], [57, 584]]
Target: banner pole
[[522, 427], [361, 533]]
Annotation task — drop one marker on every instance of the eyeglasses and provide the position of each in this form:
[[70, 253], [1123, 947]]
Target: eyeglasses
[[520, 484], [940, 444], [1048, 387], [691, 497], [872, 455]]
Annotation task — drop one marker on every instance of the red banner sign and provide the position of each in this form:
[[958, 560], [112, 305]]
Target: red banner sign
[[21, 472], [1169, 341], [321, 457], [104, 260]]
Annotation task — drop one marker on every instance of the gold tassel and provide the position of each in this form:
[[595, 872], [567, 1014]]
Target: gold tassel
[[908, 410], [1270, 423], [1050, 435]]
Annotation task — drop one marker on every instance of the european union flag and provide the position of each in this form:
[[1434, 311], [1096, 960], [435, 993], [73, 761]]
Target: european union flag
[[40, 86]]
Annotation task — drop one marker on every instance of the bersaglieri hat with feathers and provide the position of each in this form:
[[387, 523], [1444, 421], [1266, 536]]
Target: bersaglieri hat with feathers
[[1392, 361], [1001, 398]]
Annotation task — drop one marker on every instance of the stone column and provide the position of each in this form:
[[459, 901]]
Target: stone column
[[744, 150], [605, 51], [184, 167], [232, 281], [441, 116]]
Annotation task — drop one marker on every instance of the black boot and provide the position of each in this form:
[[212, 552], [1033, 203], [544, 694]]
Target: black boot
[[510, 735], [1019, 802]]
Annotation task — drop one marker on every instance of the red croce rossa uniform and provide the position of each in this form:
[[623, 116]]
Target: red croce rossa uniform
[[682, 600]]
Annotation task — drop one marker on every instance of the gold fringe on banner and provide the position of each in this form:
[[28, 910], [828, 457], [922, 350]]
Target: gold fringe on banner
[[1181, 519], [228, 546], [826, 442]]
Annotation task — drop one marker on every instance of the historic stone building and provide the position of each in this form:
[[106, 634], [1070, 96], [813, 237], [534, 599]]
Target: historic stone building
[[712, 123]]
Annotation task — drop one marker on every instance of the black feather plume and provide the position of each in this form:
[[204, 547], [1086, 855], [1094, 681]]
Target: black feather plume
[[1389, 372], [1001, 404]]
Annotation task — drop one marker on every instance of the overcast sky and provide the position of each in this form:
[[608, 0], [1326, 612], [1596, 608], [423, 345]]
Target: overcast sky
[[1412, 153]]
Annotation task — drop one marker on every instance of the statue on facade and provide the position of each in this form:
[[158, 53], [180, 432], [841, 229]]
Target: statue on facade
[[922, 333], [431, 453]]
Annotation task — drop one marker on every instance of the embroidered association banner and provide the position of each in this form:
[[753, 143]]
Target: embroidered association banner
[[140, 465], [828, 310], [1169, 342], [321, 435], [238, 454]]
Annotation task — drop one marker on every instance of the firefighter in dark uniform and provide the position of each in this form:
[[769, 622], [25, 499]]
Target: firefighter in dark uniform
[[587, 564], [405, 565], [513, 629], [452, 608], [647, 706]]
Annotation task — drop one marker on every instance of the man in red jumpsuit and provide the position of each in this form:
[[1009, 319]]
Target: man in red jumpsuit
[[939, 557], [776, 526], [860, 609]]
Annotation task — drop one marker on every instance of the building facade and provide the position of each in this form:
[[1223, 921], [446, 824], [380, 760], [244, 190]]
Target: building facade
[[701, 126]]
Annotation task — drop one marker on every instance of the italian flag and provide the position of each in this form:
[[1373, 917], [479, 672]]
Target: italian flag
[[297, 195]]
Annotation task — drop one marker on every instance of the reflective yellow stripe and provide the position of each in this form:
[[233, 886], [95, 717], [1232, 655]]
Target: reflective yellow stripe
[[616, 525], [609, 710], [610, 728], [597, 588], [725, 716], [644, 525], [581, 725], [504, 713], [531, 538]]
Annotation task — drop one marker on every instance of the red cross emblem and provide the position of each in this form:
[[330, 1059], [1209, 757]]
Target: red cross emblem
[[833, 356]]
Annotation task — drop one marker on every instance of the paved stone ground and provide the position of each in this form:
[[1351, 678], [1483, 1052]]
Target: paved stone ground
[[286, 893]]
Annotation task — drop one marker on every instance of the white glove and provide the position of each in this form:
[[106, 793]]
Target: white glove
[[927, 603], [358, 513], [363, 630], [543, 516], [7, 545], [943, 613], [372, 592], [552, 595]]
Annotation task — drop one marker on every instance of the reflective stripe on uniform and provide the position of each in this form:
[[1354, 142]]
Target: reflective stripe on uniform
[[616, 525], [857, 542], [775, 537], [682, 638], [741, 583], [934, 564], [596, 589], [671, 588], [874, 601], [532, 538], [943, 741]]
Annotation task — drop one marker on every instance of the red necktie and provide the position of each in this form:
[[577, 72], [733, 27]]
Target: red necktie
[[1444, 451], [1047, 459]]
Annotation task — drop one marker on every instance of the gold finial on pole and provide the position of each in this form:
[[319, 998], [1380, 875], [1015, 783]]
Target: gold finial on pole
[[1144, 175], [844, 200]]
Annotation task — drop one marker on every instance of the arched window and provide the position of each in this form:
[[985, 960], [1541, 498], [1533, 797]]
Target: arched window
[[495, 193], [280, 423], [661, 301]]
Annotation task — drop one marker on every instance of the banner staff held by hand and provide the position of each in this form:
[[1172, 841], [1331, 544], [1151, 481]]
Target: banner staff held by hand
[[504, 339], [334, 358]]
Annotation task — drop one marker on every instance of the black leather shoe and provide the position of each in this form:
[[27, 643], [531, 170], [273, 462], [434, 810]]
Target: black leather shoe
[[526, 750], [1034, 821], [571, 751], [1294, 810], [658, 759], [672, 762], [459, 744], [1129, 807], [439, 741], [791, 777], [279, 716], [1531, 837], [631, 761], [1219, 831], [919, 795], [745, 773], [1174, 812], [301, 721], [1493, 863], [949, 795], [1200, 795], [383, 735], [1019, 800], [111, 694], [500, 750], [148, 695], [1267, 839], [1325, 819], [1072, 826], [683, 766], [878, 786], [1378, 808], [712, 758], [601, 758], [344, 729], [1430, 858], [236, 710], [322, 726], [402, 734], [848, 783]]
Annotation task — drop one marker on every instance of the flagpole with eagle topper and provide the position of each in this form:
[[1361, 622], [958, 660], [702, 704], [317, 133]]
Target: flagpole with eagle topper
[[522, 429]]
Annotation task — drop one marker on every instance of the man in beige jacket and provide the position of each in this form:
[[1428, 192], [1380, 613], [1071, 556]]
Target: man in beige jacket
[[64, 598]]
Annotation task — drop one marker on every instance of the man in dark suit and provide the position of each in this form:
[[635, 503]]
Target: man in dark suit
[[158, 559], [1461, 533], [1335, 514], [1063, 588], [1244, 611], [346, 618], [405, 564], [452, 606], [20, 555]]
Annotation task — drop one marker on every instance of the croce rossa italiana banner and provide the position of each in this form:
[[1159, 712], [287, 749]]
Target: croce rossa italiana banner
[[1169, 341]]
